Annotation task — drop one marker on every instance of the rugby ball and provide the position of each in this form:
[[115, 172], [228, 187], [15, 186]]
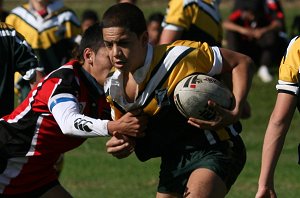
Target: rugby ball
[[192, 93]]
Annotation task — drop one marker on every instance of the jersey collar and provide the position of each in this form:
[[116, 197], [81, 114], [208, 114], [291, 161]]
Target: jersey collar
[[140, 74]]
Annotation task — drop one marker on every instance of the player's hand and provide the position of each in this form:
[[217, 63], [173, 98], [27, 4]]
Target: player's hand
[[258, 33], [120, 146], [265, 192], [222, 118], [132, 124]]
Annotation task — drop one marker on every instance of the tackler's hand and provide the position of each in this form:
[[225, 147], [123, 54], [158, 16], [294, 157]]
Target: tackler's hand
[[133, 123]]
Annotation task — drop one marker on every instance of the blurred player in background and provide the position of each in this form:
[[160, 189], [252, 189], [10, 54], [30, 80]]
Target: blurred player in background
[[280, 120], [15, 56], [196, 21], [154, 27], [198, 158], [257, 28], [192, 20], [67, 107], [88, 18], [50, 28]]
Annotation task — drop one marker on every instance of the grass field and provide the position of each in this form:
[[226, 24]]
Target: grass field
[[91, 173]]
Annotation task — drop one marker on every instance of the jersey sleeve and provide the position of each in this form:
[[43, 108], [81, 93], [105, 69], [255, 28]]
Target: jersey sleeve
[[26, 61], [61, 92], [23, 58], [210, 59], [66, 111], [288, 81]]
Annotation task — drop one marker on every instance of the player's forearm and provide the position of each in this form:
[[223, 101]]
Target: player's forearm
[[65, 110], [272, 147], [242, 76], [228, 25], [169, 36]]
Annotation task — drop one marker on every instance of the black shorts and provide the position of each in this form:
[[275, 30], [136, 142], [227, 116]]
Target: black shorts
[[34, 194], [226, 159]]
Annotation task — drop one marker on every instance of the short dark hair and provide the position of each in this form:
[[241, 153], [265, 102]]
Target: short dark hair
[[89, 14], [125, 15], [156, 16], [91, 38]]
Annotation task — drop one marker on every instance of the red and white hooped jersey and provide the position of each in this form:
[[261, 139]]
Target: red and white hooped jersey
[[57, 116]]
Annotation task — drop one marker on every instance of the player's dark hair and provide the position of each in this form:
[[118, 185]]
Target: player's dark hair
[[89, 14], [156, 16], [91, 38], [127, 16]]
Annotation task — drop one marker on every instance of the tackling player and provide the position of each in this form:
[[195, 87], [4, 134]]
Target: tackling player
[[57, 116]]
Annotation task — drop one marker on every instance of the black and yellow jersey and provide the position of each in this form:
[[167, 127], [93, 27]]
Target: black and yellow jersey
[[51, 37], [199, 19], [16, 56], [288, 81], [164, 67]]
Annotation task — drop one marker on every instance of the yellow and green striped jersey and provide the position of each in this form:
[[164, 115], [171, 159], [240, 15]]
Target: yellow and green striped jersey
[[199, 19], [164, 67], [51, 37]]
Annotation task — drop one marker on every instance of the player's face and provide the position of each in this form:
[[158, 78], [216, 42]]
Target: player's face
[[86, 24], [154, 30], [101, 65], [126, 50]]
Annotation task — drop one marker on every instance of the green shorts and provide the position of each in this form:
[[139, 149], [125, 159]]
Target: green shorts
[[226, 159]]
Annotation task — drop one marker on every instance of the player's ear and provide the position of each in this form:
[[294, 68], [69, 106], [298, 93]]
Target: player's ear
[[88, 56]]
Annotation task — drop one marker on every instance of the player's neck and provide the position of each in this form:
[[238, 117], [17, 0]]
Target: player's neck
[[130, 87]]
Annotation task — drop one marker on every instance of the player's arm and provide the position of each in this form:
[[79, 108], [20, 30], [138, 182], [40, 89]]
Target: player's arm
[[175, 21], [273, 142], [241, 68], [280, 120], [231, 26], [170, 35], [65, 110]]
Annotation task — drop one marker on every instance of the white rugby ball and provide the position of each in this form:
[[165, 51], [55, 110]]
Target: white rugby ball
[[193, 92]]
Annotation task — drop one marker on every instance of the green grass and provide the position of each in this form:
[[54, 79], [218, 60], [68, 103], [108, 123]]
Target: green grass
[[89, 172]]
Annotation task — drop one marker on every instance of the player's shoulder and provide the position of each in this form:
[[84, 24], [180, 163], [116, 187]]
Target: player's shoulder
[[295, 41], [294, 45], [66, 72]]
